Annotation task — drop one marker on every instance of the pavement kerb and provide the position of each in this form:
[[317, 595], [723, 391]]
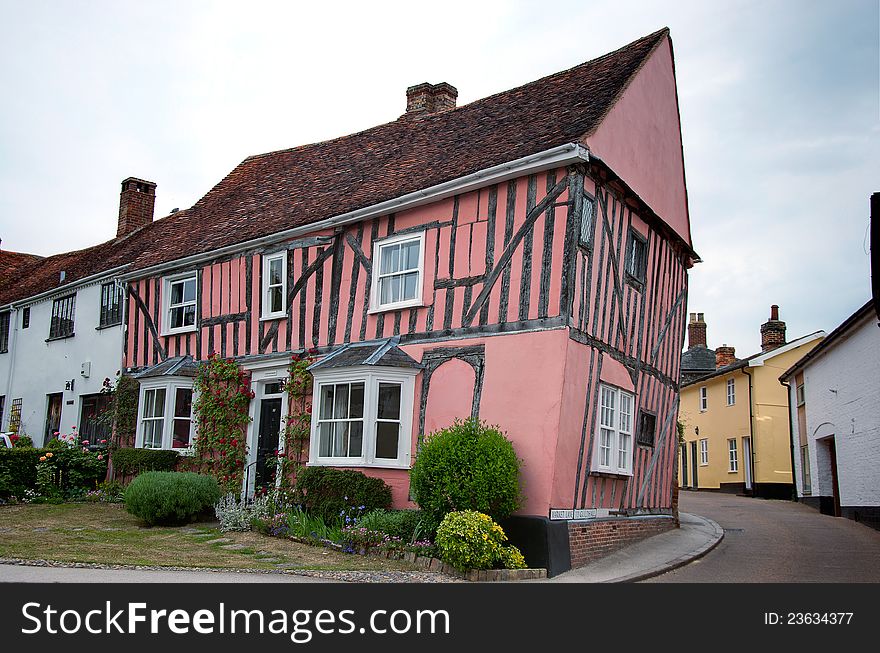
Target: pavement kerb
[[681, 561]]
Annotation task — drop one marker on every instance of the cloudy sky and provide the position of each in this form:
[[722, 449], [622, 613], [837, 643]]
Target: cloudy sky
[[780, 108]]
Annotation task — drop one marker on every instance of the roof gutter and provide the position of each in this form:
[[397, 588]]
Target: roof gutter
[[74, 284], [554, 157]]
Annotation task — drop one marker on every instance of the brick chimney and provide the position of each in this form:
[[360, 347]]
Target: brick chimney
[[428, 98], [696, 331], [724, 355], [136, 203], [772, 331]]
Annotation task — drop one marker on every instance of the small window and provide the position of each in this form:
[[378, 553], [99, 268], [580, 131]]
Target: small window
[[731, 392], [647, 428], [180, 304], [800, 394], [733, 464], [61, 325], [704, 399], [15, 416], [614, 451], [4, 332], [111, 305], [25, 317], [397, 272], [636, 256], [588, 210], [96, 418], [704, 451], [275, 285], [805, 470]]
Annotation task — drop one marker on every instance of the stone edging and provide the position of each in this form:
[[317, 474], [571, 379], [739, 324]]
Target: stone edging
[[475, 575]]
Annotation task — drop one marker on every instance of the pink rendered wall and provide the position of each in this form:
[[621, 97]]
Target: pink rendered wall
[[640, 140], [450, 396]]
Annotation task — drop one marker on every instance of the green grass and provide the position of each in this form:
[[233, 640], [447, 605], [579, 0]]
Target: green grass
[[106, 534]]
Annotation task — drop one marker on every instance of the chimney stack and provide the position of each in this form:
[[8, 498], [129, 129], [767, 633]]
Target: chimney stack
[[696, 331], [724, 355], [772, 331], [136, 203], [428, 98]]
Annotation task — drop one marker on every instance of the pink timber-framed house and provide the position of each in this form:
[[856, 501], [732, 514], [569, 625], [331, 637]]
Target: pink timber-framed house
[[522, 258]]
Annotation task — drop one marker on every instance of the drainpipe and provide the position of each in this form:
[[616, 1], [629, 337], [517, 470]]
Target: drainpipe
[[751, 462], [791, 439]]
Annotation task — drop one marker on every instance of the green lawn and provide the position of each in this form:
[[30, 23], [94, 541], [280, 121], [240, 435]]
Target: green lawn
[[105, 533]]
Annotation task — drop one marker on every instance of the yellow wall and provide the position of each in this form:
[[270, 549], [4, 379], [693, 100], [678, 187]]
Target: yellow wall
[[771, 446]]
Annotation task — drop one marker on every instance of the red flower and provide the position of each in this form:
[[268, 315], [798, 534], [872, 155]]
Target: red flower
[[235, 443], [313, 350], [222, 440]]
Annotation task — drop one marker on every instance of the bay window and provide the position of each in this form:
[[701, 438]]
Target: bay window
[[614, 438], [165, 419], [362, 417]]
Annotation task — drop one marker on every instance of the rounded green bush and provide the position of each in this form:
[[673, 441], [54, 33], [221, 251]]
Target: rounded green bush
[[171, 497], [471, 540], [467, 466], [327, 492]]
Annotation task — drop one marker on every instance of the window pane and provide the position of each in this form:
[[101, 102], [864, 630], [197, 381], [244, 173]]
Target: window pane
[[154, 403], [328, 430], [623, 452], [275, 300], [390, 259], [389, 401], [385, 290], [605, 437], [327, 402], [176, 293], [275, 271], [410, 285], [356, 401], [183, 402], [355, 439], [189, 290], [180, 437], [410, 255], [340, 406], [153, 434], [625, 413], [586, 220], [176, 318], [189, 315], [387, 435]]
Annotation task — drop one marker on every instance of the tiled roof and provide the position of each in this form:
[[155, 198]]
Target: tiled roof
[[11, 261], [43, 274], [698, 359], [383, 353], [175, 366], [272, 192]]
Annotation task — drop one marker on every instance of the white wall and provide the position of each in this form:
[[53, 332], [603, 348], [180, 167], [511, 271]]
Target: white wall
[[842, 397], [34, 368]]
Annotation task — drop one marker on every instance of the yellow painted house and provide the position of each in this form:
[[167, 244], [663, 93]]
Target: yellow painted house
[[736, 418]]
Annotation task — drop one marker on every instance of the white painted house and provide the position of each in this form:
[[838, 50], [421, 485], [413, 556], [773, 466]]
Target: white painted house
[[61, 329], [834, 397]]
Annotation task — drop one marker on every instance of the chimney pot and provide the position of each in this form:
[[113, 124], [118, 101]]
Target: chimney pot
[[774, 312], [136, 204]]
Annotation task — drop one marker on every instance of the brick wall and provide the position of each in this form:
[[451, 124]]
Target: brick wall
[[592, 540]]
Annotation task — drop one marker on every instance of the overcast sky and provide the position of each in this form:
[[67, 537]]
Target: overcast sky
[[779, 104]]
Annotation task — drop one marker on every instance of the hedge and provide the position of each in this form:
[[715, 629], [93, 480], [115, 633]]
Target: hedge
[[171, 497], [327, 492], [129, 461], [18, 470]]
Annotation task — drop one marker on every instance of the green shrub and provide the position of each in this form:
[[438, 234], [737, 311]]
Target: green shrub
[[130, 461], [327, 493], [471, 540], [23, 441], [468, 466], [171, 497], [18, 470], [408, 525]]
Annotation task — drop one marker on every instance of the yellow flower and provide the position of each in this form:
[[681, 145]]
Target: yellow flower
[[49, 455], [42, 459]]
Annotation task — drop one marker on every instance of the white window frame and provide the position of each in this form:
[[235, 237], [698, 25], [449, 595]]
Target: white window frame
[[375, 306], [266, 314], [614, 432], [371, 378], [704, 399], [704, 452], [731, 392], [170, 386], [732, 456], [167, 330], [800, 394]]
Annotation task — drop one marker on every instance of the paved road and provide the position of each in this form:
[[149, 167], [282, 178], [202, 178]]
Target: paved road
[[778, 542]]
